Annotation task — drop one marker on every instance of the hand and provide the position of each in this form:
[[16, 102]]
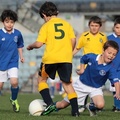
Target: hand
[[79, 72], [117, 96], [29, 48], [22, 60]]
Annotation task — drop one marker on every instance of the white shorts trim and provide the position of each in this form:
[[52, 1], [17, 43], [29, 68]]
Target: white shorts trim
[[10, 73], [83, 90]]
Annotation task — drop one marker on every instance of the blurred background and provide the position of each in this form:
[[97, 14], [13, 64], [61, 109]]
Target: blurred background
[[76, 12]]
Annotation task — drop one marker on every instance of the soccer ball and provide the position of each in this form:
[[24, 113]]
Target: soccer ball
[[36, 107]]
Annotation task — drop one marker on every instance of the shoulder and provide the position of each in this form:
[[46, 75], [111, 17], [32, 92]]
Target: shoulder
[[102, 34], [110, 36], [91, 55], [85, 33], [17, 31]]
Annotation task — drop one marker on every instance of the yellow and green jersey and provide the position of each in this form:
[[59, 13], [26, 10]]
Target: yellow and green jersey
[[91, 43], [57, 35]]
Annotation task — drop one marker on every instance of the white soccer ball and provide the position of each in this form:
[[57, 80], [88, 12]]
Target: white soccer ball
[[36, 107]]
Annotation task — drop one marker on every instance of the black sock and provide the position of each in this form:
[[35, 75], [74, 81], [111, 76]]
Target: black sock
[[46, 96], [74, 105]]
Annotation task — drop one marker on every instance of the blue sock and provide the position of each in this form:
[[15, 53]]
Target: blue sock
[[56, 109], [60, 86], [92, 107], [52, 89], [14, 93]]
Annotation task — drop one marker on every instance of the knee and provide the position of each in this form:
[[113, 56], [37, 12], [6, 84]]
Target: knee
[[1, 86], [100, 105], [14, 84]]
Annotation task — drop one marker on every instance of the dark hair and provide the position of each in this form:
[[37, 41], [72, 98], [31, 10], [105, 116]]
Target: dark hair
[[95, 19], [49, 9], [117, 21], [9, 14], [111, 43]]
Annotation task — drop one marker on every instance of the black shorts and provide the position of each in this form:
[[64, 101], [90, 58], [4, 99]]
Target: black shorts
[[64, 71]]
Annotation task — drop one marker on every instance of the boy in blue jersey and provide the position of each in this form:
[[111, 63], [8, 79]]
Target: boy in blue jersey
[[115, 36], [93, 77], [11, 44]]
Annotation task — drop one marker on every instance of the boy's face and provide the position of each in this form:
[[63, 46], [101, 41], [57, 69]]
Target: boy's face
[[117, 29], [109, 54], [8, 24], [94, 28]]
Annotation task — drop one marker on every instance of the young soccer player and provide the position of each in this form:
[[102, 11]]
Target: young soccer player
[[90, 41], [11, 44], [93, 77], [115, 36], [59, 37]]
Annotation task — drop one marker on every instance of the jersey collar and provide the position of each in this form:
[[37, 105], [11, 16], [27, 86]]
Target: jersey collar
[[97, 58], [114, 35], [6, 31]]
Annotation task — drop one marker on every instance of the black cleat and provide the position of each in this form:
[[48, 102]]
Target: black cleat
[[77, 114]]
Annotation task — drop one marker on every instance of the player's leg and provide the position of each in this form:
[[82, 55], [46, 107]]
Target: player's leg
[[44, 88], [13, 75], [98, 101], [61, 104], [82, 91], [64, 71], [116, 106], [52, 87], [3, 78], [1, 86]]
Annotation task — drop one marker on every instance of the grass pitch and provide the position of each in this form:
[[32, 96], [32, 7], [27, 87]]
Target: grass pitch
[[6, 112]]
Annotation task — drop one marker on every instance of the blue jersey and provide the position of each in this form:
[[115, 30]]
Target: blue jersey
[[116, 61], [9, 44], [95, 75]]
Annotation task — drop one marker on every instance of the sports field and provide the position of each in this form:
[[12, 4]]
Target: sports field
[[6, 112]]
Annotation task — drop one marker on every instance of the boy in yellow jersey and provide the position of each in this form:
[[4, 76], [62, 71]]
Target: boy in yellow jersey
[[91, 41], [59, 38]]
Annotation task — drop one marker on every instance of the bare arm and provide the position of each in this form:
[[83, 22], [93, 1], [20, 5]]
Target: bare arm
[[35, 45], [75, 51], [82, 69], [20, 50]]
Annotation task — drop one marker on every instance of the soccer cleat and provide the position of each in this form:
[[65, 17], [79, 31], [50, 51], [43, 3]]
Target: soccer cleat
[[49, 109], [77, 114], [115, 109], [16, 107], [81, 108], [92, 113]]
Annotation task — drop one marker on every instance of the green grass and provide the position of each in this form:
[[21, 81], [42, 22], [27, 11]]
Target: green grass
[[6, 112]]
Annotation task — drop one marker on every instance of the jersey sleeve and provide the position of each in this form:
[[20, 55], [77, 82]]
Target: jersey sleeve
[[85, 58], [113, 76], [80, 43], [42, 36], [20, 42]]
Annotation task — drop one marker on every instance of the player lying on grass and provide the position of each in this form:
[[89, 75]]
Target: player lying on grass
[[99, 69]]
